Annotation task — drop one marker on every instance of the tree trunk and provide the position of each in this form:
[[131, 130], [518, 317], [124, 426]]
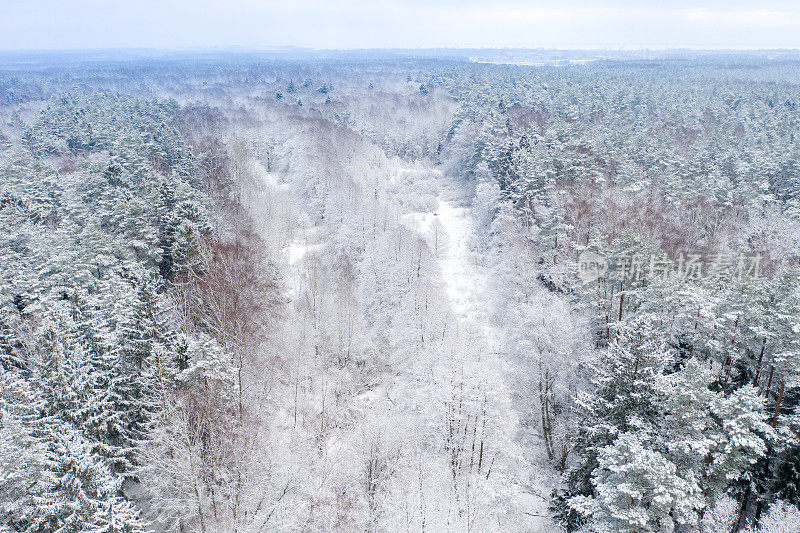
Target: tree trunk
[[758, 368], [738, 523], [778, 405], [769, 382]]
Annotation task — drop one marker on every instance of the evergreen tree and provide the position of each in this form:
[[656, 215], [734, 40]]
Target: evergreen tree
[[624, 398], [637, 489], [80, 492]]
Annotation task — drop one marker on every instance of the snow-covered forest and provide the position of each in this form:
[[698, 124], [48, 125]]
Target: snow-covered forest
[[383, 294]]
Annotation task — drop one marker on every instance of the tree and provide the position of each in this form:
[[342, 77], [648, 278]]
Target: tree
[[183, 460], [22, 452], [624, 398], [637, 489], [80, 494]]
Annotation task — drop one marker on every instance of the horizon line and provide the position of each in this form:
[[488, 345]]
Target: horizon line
[[243, 48]]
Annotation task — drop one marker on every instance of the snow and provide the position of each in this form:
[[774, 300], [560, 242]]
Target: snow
[[466, 285], [451, 230], [270, 179]]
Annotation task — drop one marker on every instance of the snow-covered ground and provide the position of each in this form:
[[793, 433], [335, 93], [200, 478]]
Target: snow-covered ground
[[467, 283]]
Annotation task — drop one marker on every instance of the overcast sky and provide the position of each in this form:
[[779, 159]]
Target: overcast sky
[[61, 24]]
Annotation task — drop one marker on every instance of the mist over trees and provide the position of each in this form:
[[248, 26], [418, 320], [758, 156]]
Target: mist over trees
[[351, 294]]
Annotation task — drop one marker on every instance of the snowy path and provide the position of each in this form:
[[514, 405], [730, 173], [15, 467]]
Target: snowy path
[[467, 285]]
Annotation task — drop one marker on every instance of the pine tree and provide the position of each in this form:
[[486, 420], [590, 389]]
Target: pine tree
[[80, 492], [116, 515], [787, 482], [625, 398], [743, 440], [713, 439], [637, 489], [142, 367], [22, 453]]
